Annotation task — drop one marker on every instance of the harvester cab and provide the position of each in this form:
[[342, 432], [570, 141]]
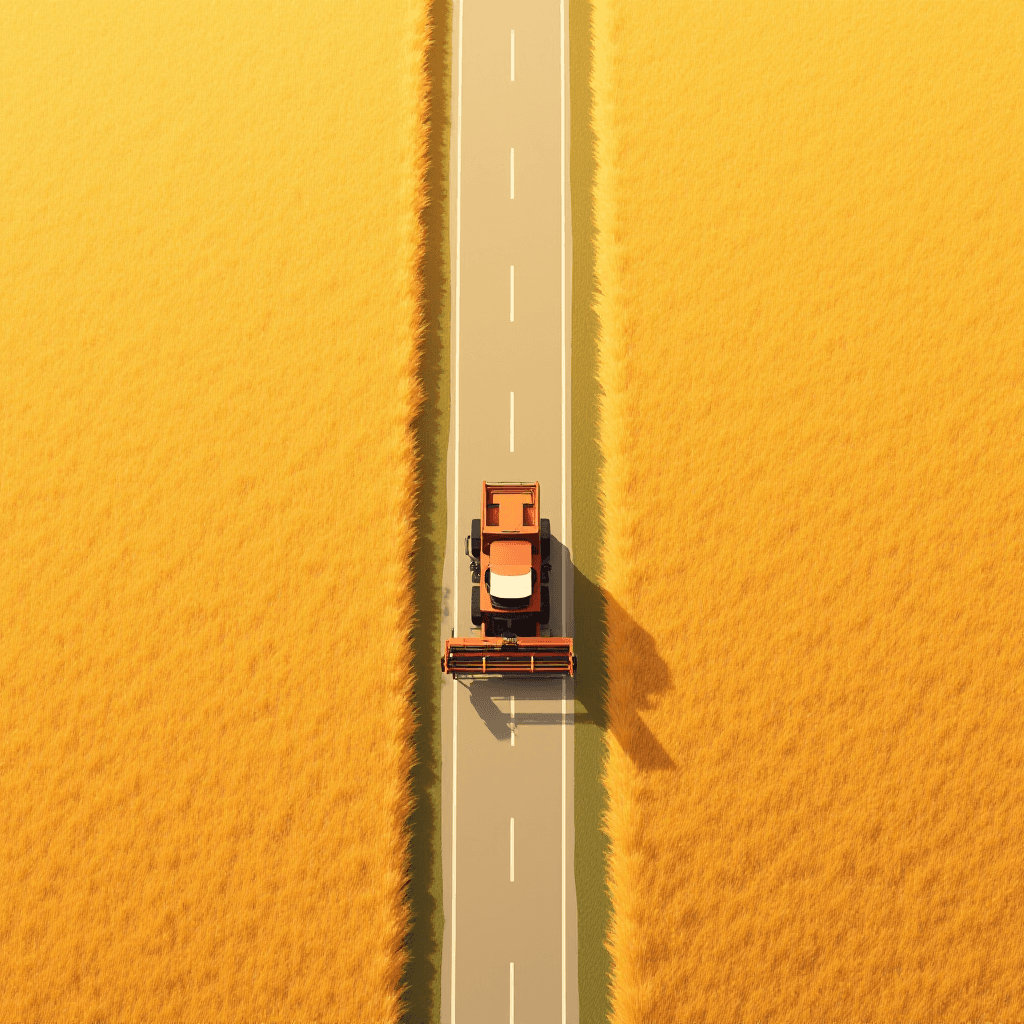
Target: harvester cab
[[509, 547]]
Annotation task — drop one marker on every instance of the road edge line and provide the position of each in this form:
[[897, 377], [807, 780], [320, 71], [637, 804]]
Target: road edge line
[[455, 518], [561, 18]]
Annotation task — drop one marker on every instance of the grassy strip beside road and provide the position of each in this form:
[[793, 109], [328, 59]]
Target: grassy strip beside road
[[811, 292], [423, 971], [210, 277], [592, 902]]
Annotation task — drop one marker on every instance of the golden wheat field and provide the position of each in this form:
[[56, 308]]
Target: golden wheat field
[[810, 224], [208, 353]]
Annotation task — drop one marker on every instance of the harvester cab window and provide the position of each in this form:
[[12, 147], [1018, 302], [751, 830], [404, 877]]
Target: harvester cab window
[[512, 588]]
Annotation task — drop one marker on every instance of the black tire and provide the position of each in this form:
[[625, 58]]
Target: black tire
[[574, 664], [442, 665], [545, 539], [474, 538], [474, 608], [545, 605]]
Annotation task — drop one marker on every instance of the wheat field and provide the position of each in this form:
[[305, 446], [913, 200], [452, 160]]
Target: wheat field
[[810, 220], [208, 354]]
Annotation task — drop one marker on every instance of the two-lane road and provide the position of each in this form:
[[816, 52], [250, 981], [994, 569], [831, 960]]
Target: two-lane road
[[510, 902]]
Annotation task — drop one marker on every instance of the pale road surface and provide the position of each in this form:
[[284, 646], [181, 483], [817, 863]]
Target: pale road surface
[[509, 945]]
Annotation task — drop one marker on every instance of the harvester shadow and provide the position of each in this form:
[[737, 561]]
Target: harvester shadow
[[643, 675], [490, 698]]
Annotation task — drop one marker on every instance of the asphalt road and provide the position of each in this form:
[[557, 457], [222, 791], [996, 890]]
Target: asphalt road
[[509, 896]]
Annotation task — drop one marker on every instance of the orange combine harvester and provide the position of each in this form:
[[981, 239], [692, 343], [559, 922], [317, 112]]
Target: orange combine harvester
[[509, 547]]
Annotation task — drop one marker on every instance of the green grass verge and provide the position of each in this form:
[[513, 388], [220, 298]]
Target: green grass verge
[[592, 901], [424, 944]]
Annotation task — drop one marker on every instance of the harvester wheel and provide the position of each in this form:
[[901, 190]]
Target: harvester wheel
[[545, 539], [474, 608], [545, 605], [474, 539], [574, 664]]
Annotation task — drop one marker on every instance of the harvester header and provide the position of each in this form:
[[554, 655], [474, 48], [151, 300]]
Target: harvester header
[[509, 548]]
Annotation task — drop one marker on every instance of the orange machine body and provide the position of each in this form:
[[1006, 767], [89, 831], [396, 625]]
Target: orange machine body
[[509, 545]]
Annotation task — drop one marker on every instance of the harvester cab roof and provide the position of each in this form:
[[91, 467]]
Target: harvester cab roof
[[511, 575]]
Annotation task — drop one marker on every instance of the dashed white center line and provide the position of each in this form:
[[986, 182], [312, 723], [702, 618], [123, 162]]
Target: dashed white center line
[[511, 421], [513, 55], [511, 994], [512, 295], [512, 173], [511, 849], [512, 724]]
